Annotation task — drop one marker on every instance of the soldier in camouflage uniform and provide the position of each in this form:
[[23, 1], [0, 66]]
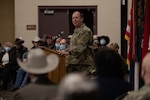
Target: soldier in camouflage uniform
[[80, 57], [144, 92], [80, 51]]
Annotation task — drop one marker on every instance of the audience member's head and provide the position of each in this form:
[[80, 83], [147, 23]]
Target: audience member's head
[[114, 46], [44, 37], [57, 43], [7, 46], [58, 39], [146, 69], [49, 40], [109, 64], [76, 86], [95, 37], [18, 42], [103, 40], [36, 42], [63, 44], [95, 41]]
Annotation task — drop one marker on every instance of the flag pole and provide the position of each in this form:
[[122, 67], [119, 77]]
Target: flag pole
[[136, 76]]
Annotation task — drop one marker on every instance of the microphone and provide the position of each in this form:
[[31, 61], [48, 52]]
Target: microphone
[[61, 33], [58, 35]]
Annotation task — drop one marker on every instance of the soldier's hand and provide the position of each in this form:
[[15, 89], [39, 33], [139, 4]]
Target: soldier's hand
[[63, 52]]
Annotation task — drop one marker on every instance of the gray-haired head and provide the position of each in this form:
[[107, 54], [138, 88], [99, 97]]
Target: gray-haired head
[[76, 86]]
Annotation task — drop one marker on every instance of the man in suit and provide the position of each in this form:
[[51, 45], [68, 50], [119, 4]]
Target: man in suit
[[38, 65]]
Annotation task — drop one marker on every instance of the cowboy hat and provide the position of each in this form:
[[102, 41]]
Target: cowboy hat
[[103, 40], [36, 39], [38, 63], [19, 40]]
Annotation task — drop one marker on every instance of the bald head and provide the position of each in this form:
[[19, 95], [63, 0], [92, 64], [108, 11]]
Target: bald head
[[63, 41], [77, 19], [95, 37], [146, 68]]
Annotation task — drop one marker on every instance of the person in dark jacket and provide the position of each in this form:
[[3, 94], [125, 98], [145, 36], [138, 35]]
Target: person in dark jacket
[[7, 64], [38, 65], [10, 53], [109, 67]]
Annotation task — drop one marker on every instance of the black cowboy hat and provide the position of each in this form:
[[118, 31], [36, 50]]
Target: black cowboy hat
[[103, 40], [19, 41]]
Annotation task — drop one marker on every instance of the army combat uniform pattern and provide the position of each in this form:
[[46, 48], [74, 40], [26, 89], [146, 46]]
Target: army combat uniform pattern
[[80, 56], [142, 94]]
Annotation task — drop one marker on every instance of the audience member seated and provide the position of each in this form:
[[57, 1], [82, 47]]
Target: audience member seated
[[38, 65], [43, 41], [95, 37], [109, 68], [36, 42], [57, 43], [8, 64], [10, 70], [76, 86], [144, 92], [103, 41], [100, 42], [50, 43], [63, 44], [22, 78], [115, 47], [19, 47]]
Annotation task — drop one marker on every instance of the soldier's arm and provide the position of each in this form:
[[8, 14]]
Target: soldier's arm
[[82, 43]]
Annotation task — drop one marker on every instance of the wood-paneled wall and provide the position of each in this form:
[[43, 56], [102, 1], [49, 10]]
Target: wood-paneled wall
[[7, 29]]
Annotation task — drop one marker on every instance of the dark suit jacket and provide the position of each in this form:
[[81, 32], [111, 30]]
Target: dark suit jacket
[[41, 89], [111, 87]]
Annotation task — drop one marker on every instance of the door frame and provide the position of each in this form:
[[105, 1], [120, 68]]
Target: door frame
[[69, 9]]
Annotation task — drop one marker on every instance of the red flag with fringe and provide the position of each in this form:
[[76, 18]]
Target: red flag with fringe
[[130, 35], [146, 30]]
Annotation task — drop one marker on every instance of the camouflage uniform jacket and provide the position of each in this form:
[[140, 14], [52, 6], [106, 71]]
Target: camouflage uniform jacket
[[142, 94], [80, 49]]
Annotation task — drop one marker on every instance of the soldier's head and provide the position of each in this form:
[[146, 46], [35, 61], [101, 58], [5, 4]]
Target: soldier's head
[[146, 68], [77, 19]]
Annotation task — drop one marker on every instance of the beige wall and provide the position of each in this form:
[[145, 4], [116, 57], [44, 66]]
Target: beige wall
[[108, 20]]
